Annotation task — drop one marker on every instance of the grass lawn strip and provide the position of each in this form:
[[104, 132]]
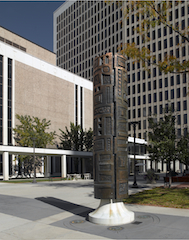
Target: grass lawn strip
[[161, 197]]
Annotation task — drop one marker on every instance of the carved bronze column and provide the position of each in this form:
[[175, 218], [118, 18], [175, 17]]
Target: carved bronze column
[[110, 127]]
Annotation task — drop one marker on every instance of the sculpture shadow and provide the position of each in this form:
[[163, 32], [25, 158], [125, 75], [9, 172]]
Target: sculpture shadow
[[67, 206]]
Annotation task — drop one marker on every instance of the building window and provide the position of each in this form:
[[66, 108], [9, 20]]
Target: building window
[[166, 82], [138, 88], [160, 109], [139, 113], [178, 79], [144, 112], [165, 43], [184, 91], [155, 109], [129, 114], [138, 75], [155, 97], [184, 105], [76, 105], [171, 41], [134, 101], [159, 32], [144, 87], [144, 99], [9, 101], [138, 100], [149, 86], [160, 96], [185, 118], [179, 133], [160, 83], [149, 111], [144, 124], [154, 84], [133, 89], [172, 80], [178, 106], [128, 90], [166, 95], [178, 92], [172, 93], [134, 115], [178, 120], [133, 77], [184, 78], [149, 98]]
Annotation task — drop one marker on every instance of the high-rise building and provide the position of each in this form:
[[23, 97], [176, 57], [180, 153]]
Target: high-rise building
[[85, 29]]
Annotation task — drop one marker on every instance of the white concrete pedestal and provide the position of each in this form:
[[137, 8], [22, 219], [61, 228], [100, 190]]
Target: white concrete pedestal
[[110, 212]]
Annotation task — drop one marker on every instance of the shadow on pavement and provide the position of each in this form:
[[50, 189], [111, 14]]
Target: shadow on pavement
[[71, 184], [67, 206]]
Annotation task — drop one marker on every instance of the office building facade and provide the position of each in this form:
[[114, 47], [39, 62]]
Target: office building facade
[[85, 29]]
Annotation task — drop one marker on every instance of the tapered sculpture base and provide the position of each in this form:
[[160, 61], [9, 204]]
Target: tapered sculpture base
[[111, 213]]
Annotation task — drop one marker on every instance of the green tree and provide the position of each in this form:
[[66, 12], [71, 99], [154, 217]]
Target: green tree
[[150, 14], [88, 140], [183, 150], [76, 139], [30, 130], [162, 139]]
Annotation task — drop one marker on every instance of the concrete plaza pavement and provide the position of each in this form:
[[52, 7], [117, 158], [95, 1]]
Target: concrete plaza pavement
[[58, 210]]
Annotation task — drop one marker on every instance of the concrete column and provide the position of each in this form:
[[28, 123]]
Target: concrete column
[[79, 165], [83, 166], [47, 166], [5, 166], [42, 167], [63, 166]]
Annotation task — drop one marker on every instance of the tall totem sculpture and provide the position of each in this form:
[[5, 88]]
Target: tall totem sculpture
[[110, 140]]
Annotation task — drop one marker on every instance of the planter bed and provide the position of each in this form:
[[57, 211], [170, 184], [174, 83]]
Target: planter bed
[[177, 179]]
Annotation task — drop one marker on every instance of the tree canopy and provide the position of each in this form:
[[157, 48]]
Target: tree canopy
[[162, 138], [76, 139], [31, 128], [183, 149], [150, 14]]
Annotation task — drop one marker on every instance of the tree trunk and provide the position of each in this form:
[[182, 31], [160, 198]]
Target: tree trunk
[[170, 179]]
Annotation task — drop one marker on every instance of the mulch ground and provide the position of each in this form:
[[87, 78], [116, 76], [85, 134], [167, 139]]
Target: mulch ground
[[183, 185]]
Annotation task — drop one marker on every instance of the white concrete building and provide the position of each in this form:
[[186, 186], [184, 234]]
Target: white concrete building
[[32, 84]]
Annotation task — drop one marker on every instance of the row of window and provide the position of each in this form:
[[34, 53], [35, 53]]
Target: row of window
[[80, 44], [145, 74], [153, 84], [90, 20], [143, 112], [80, 7], [144, 99], [178, 11], [144, 136]]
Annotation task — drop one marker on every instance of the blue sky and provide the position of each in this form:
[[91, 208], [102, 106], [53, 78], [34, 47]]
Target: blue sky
[[32, 20]]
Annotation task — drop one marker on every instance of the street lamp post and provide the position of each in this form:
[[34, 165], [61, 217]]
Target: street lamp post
[[134, 128], [34, 168]]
